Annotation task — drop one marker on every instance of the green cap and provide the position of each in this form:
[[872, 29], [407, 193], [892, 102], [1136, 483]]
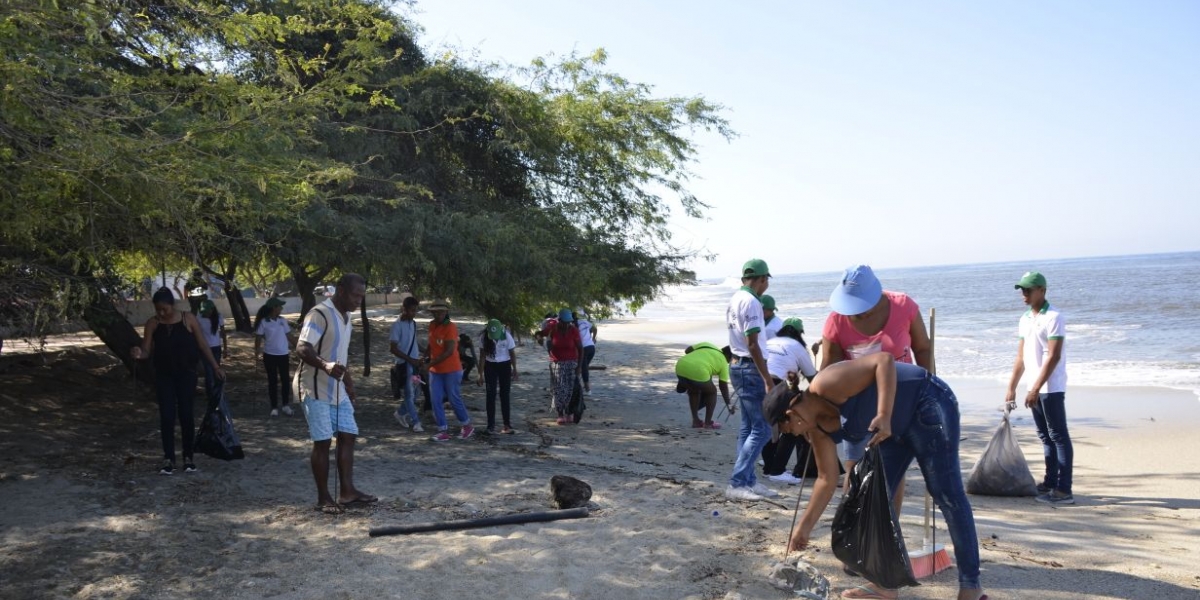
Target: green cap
[[206, 306], [768, 302], [795, 322], [755, 267], [273, 302], [495, 329], [1031, 279]]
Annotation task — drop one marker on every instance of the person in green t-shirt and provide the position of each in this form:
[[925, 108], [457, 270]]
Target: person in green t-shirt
[[695, 371]]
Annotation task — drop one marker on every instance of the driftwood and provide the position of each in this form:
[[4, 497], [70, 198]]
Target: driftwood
[[554, 515]]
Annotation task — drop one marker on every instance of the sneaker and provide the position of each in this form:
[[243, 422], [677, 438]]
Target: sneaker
[[189, 468], [1056, 497], [507, 430], [764, 491], [1043, 489], [787, 478], [274, 412], [402, 420], [417, 428], [168, 469], [741, 493], [287, 410], [441, 436], [761, 463], [561, 420], [466, 432], [490, 430]]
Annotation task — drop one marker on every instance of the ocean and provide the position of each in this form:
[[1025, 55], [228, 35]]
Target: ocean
[[1131, 320]]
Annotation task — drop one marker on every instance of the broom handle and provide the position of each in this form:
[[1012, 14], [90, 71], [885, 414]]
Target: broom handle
[[930, 526]]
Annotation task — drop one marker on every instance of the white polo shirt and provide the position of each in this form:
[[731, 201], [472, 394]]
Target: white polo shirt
[[744, 316], [503, 347], [1037, 329], [785, 354], [275, 335], [328, 330], [771, 329]]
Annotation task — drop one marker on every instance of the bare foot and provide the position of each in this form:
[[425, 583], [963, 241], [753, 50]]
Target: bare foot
[[331, 508]]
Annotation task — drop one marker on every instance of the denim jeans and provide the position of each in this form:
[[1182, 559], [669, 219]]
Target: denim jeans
[[755, 432], [1050, 416], [497, 377], [932, 438], [447, 386], [404, 389]]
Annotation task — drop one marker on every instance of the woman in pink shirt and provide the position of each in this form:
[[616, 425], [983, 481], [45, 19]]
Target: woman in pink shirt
[[867, 319]]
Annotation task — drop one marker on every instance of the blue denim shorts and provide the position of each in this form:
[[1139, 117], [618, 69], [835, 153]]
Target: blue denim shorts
[[324, 417]]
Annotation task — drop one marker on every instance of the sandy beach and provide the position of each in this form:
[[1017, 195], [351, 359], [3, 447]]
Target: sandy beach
[[86, 516]]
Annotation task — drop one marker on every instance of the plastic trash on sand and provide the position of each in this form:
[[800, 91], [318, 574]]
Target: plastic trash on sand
[[800, 578]]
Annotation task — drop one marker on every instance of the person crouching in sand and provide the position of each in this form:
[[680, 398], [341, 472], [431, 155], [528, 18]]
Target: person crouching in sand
[[700, 362]]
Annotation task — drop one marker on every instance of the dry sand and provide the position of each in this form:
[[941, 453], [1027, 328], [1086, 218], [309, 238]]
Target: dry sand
[[86, 516]]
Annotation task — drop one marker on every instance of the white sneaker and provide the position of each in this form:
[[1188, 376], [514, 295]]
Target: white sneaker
[[741, 493], [761, 463], [402, 419], [417, 427], [787, 478], [274, 412], [763, 491], [287, 410]]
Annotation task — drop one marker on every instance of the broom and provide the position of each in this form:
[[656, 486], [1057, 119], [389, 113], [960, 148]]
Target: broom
[[931, 558]]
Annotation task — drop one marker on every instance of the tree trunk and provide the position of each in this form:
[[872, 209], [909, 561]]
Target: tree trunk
[[115, 331], [305, 282], [237, 304]]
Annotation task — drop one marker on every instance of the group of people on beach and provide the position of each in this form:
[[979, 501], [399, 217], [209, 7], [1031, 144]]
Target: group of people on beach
[[875, 386]]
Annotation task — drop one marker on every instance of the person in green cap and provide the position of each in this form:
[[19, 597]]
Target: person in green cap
[[271, 337], [751, 379], [788, 360], [498, 372], [213, 328], [771, 322], [1042, 366]]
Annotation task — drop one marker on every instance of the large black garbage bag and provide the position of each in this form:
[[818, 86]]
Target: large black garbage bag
[[217, 437], [576, 406], [866, 533], [1002, 469]]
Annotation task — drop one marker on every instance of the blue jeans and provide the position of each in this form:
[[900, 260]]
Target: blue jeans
[[404, 388], [755, 432], [1050, 416], [932, 438], [447, 386]]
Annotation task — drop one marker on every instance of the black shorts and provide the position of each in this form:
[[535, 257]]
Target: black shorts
[[685, 383]]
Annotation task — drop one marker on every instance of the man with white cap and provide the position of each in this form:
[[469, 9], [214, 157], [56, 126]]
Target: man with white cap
[[751, 379]]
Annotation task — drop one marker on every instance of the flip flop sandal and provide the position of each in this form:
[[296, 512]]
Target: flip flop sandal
[[329, 509], [862, 592]]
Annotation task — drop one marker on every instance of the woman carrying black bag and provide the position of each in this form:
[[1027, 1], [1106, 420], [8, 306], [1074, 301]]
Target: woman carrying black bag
[[909, 414]]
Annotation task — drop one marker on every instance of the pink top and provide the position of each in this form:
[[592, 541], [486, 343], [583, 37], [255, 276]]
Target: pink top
[[895, 336]]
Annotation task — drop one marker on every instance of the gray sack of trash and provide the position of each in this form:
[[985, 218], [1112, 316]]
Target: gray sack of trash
[[800, 578], [1002, 469]]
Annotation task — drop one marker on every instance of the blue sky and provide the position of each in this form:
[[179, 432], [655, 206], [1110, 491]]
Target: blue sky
[[901, 133]]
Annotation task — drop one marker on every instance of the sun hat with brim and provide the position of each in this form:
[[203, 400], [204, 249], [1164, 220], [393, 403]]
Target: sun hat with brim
[[1031, 279], [858, 292], [274, 302], [768, 302], [495, 330], [755, 267], [795, 323], [439, 305], [565, 315], [775, 405]]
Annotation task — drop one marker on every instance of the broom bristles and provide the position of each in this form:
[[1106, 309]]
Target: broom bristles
[[929, 561]]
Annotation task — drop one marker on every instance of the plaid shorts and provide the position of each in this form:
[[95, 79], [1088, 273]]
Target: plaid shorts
[[324, 417]]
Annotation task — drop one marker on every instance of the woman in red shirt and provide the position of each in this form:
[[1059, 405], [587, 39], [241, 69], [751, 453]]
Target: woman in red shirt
[[566, 350]]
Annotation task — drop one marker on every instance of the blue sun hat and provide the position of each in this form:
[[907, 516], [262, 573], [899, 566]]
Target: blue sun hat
[[857, 293], [565, 315]]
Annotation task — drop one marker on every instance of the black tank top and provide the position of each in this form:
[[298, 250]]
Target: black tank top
[[175, 349]]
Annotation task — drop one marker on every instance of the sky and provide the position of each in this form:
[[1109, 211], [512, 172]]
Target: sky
[[899, 133]]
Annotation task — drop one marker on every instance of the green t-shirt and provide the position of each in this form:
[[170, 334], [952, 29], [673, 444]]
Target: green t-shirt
[[702, 363]]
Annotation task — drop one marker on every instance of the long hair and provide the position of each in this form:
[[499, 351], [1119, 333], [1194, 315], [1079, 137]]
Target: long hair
[[215, 318], [262, 313], [789, 331]]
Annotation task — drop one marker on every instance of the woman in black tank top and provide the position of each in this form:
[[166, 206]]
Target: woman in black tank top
[[174, 341]]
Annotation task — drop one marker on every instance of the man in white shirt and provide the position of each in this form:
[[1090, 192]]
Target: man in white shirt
[[772, 322], [403, 346], [327, 391], [1042, 362], [751, 379]]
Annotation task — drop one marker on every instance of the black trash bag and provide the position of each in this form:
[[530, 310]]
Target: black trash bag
[[576, 406], [217, 437], [1002, 469], [866, 533]]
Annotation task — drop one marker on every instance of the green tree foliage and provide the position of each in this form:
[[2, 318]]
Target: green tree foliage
[[317, 136]]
